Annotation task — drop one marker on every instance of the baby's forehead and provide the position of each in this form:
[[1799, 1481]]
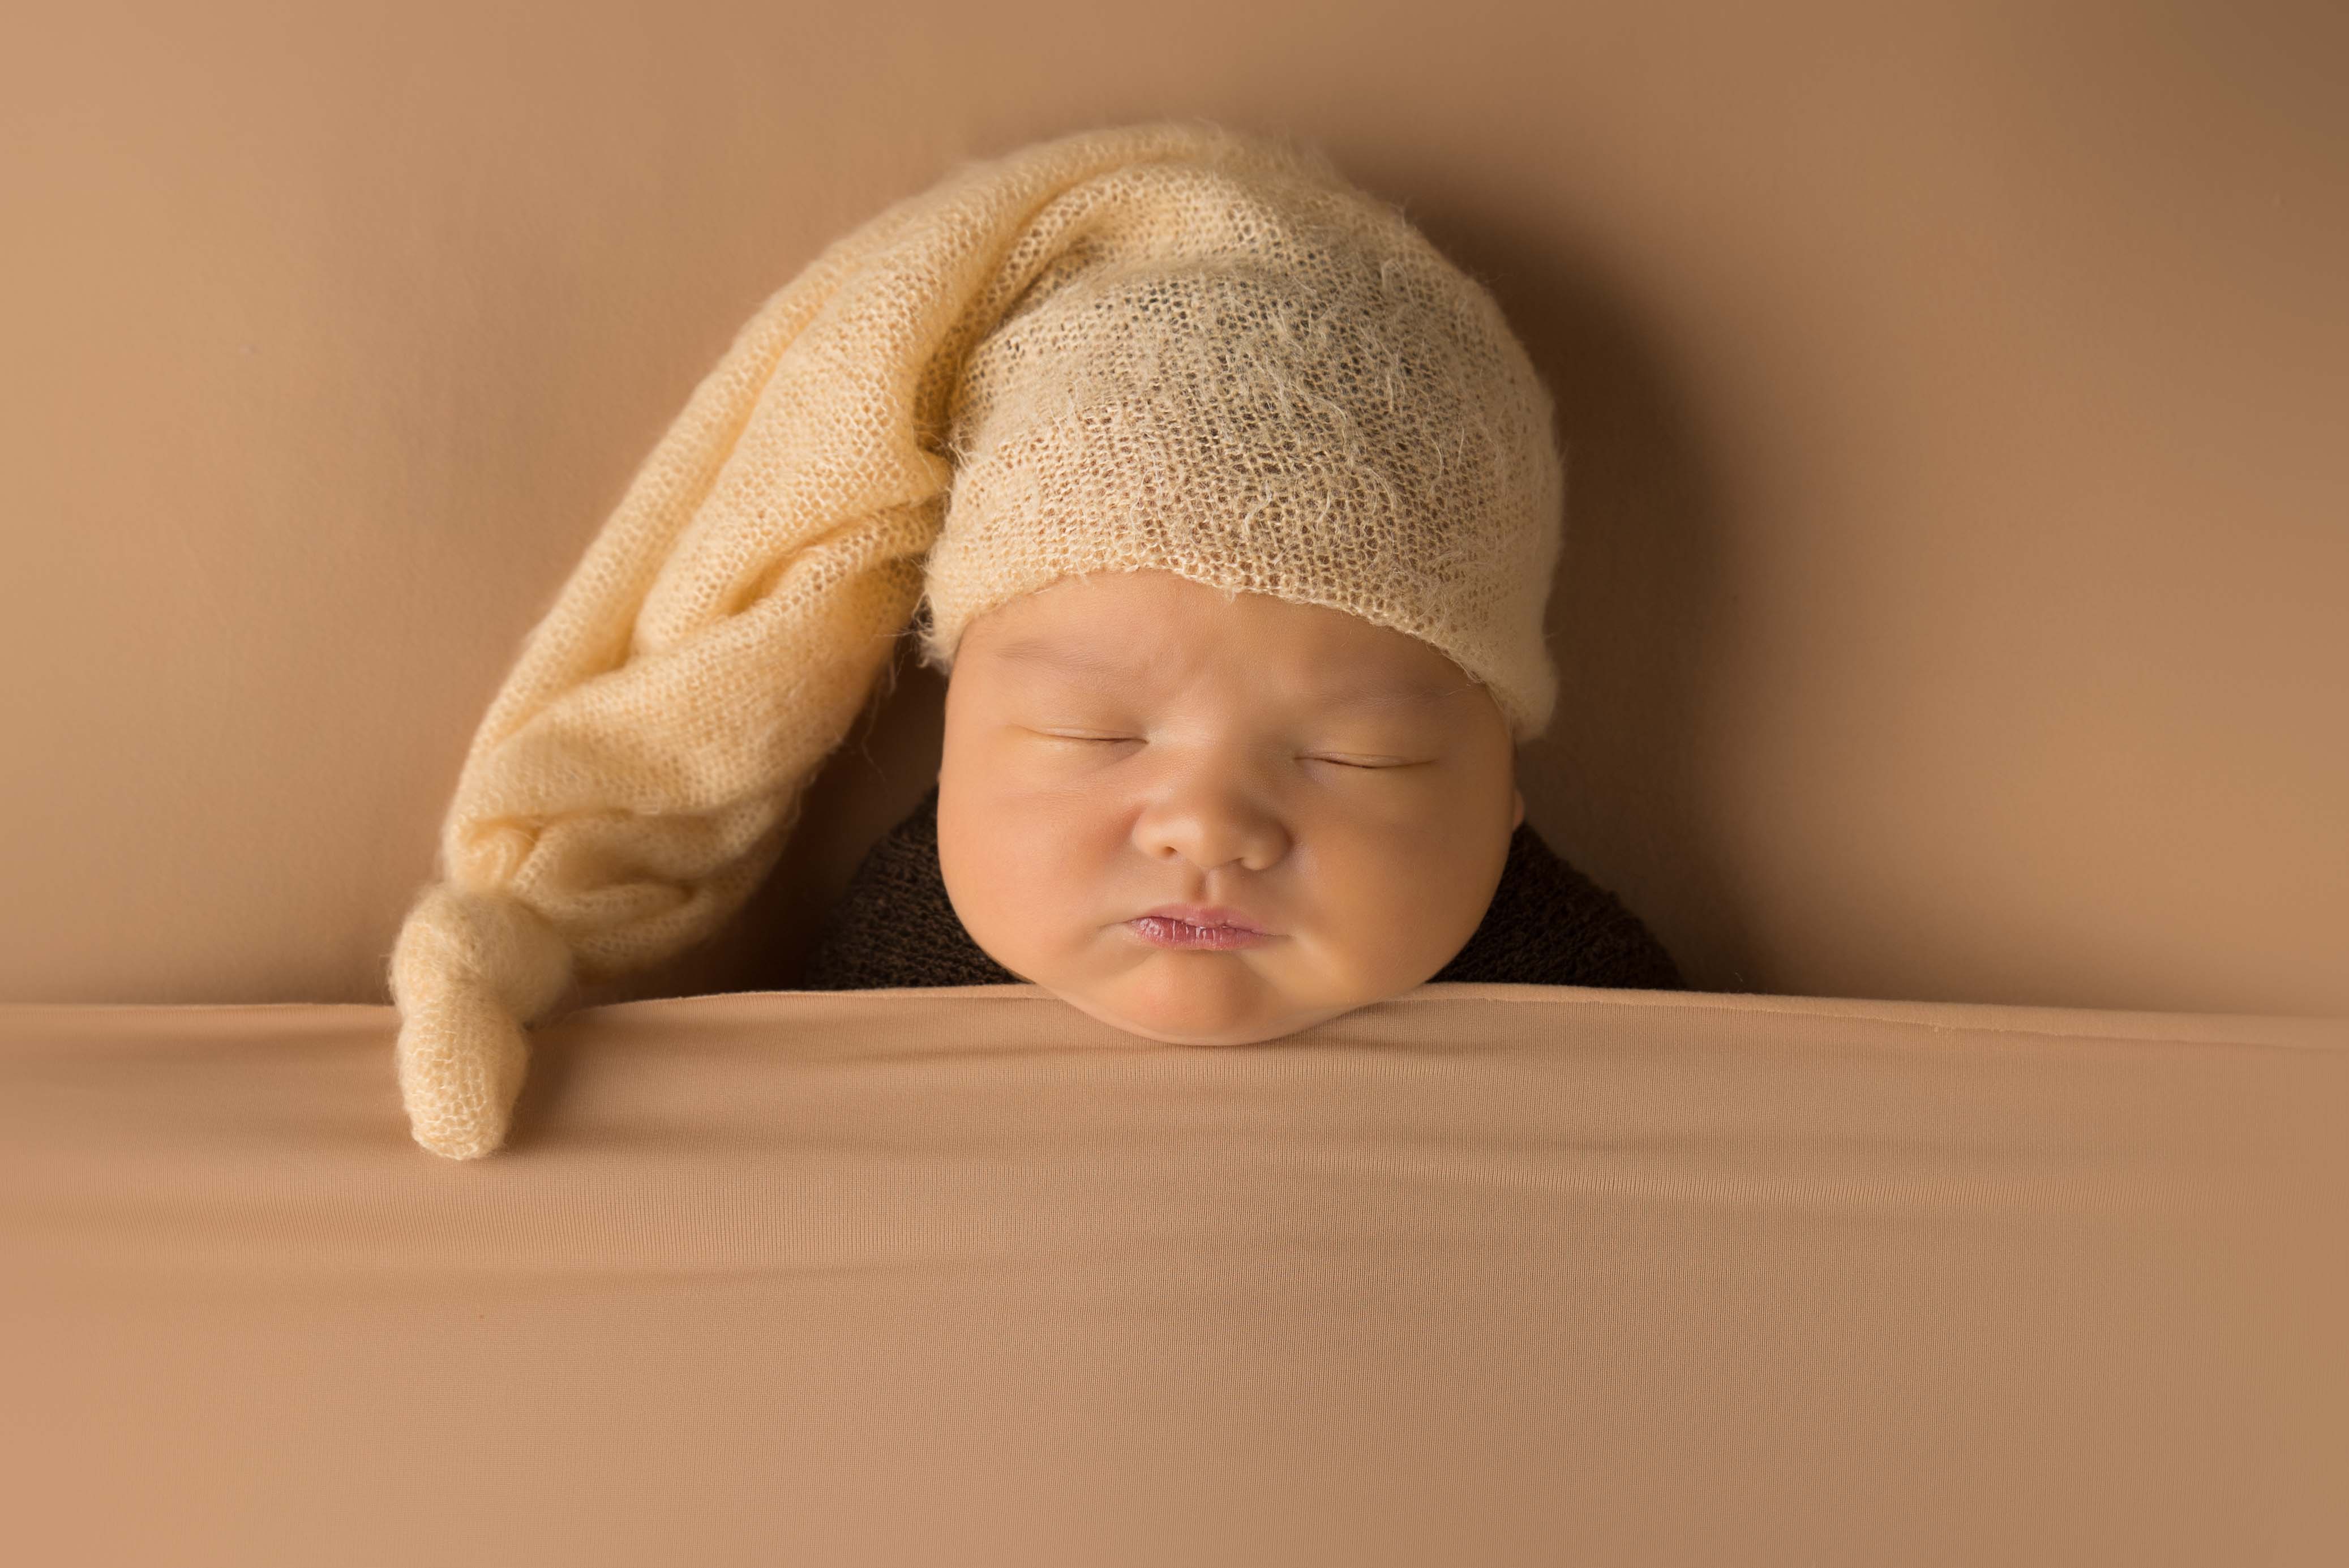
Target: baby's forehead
[[1155, 631], [1258, 674]]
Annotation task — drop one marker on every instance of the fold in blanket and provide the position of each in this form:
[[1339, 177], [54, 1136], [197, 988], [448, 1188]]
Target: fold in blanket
[[1548, 925]]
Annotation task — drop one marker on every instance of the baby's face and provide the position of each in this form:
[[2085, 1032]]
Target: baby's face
[[1130, 739]]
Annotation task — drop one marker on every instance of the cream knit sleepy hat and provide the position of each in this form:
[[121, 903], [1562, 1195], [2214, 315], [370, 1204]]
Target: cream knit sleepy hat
[[1169, 346]]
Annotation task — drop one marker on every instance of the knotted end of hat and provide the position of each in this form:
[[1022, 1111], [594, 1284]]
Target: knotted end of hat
[[472, 970]]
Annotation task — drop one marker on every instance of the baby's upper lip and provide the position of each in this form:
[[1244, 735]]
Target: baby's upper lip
[[1206, 914]]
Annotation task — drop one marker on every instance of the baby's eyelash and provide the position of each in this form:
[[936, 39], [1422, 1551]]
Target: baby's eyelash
[[1121, 739]]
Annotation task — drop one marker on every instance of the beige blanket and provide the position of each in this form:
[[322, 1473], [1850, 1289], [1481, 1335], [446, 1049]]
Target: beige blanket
[[1489, 1274]]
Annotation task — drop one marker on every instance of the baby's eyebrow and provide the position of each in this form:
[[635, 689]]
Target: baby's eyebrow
[[1373, 692], [1384, 693]]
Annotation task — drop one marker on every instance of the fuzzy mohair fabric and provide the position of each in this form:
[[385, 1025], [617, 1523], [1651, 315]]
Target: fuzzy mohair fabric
[[1548, 925], [1168, 346]]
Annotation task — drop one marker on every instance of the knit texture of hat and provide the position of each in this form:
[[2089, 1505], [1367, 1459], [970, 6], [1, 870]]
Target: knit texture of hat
[[1170, 346]]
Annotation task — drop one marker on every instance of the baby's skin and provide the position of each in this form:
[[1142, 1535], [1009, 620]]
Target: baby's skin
[[1127, 739]]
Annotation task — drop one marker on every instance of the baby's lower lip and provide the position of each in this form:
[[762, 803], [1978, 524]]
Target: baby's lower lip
[[1160, 931]]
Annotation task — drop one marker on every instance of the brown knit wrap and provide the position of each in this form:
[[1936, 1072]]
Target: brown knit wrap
[[1548, 925]]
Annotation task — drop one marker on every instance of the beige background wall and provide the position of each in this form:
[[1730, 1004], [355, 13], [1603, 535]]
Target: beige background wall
[[1959, 514]]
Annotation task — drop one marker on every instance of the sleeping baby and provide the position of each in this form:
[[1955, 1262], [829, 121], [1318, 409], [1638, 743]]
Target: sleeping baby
[[1228, 507], [1213, 822]]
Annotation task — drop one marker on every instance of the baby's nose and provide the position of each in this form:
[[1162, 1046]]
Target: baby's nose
[[1213, 824]]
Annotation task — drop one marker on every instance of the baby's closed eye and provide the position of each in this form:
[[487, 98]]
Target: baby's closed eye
[[1365, 762]]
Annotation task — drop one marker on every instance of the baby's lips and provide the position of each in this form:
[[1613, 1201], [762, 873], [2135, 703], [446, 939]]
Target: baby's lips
[[1209, 915]]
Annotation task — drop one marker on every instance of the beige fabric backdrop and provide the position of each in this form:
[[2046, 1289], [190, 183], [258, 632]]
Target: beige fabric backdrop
[[1951, 608]]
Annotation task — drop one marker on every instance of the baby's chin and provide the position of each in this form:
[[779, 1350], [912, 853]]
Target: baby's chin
[[1198, 1016]]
